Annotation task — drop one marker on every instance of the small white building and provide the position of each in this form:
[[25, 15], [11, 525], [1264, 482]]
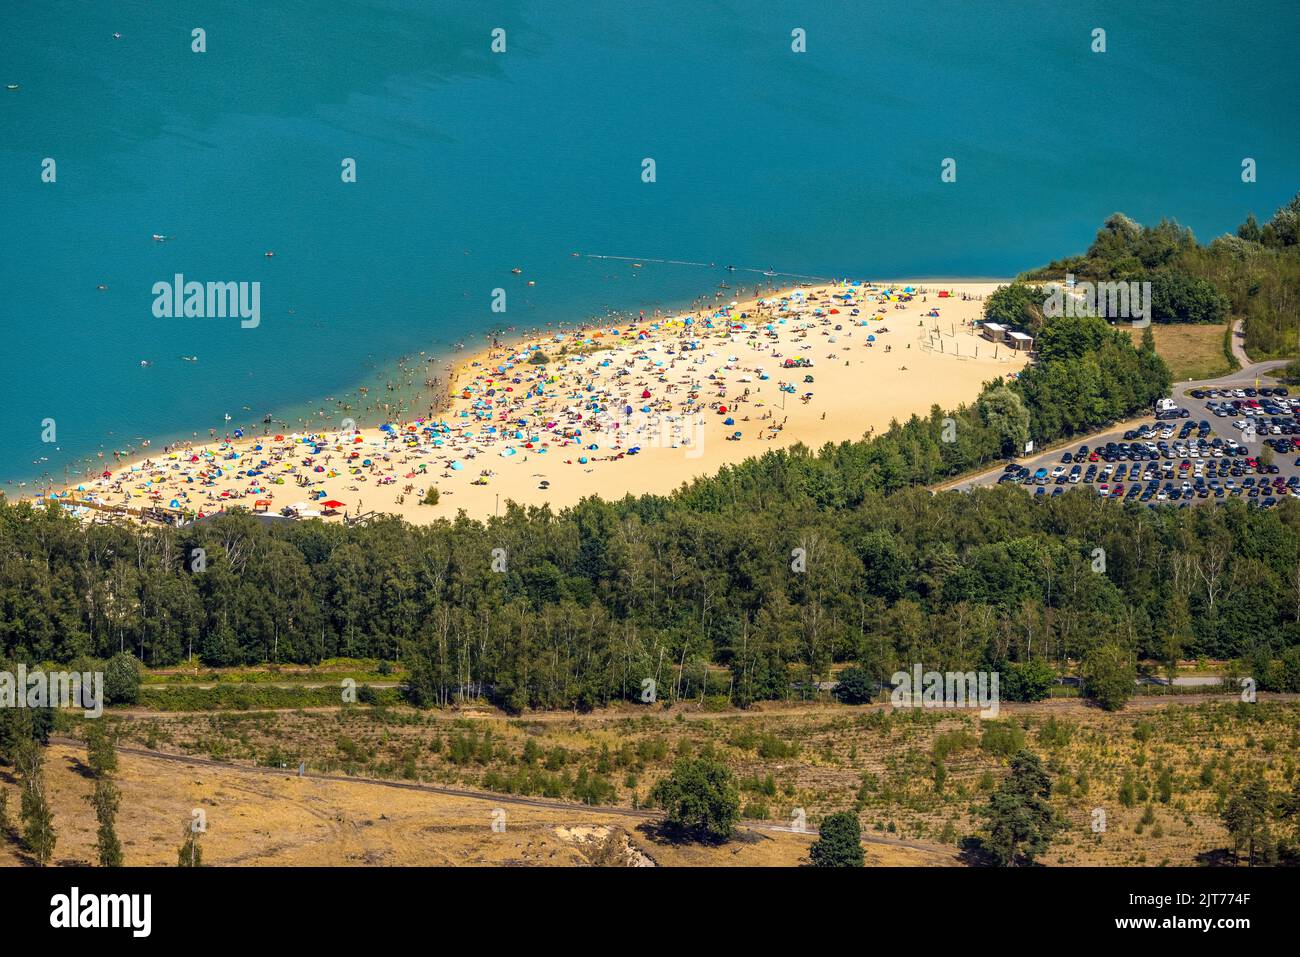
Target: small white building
[[1020, 341], [993, 331]]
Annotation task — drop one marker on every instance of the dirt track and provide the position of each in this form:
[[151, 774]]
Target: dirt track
[[265, 816], [489, 796]]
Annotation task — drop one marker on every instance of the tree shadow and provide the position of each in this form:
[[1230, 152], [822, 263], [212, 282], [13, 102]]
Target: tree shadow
[[1217, 857], [662, 832], [80, 767], [975, 853], [12, 836]]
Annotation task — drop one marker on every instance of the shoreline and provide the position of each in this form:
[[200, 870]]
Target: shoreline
[[577, 385], [435, 399]]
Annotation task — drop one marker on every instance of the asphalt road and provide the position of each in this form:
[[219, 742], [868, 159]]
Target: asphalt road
[[1244, 377]]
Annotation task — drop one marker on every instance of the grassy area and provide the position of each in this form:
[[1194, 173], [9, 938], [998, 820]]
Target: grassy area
[[1161, 772], [283, 820], [1193, 351], [331, 670], [245, 697]]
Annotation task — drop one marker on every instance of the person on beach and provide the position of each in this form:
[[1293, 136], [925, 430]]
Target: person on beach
[[505, 405]]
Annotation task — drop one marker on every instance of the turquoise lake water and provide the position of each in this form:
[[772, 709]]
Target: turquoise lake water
[[470, 163]]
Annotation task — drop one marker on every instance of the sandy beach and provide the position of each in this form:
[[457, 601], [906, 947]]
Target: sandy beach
[[636, 407]]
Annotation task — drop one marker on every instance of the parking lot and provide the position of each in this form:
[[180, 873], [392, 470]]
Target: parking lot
[[1219, 441]]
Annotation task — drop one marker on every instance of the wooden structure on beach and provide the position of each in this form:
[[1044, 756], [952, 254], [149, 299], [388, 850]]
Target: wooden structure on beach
[[153, 513]]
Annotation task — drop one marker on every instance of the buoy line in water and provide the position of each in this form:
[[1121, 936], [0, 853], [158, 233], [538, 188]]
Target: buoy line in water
[[771, 273]]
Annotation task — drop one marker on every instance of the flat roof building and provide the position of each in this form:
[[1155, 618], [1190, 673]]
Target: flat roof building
[[1020, 341]]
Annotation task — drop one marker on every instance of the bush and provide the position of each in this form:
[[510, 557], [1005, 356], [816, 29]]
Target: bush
[[122, 679], [699, 796], [840, 842], [1001, 738], [1109, 676], [1027, 680], [1178, 297], [854, 687]]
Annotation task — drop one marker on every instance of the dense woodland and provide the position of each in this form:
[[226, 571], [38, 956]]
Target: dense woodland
[[700, 590], [705, 590], [1253, 275]]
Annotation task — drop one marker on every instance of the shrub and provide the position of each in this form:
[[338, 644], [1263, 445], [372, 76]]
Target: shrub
[[1109, 676], [1001, 738], [1027, 681], [699, 796], [122, 679], [839, 843], [854, 686]]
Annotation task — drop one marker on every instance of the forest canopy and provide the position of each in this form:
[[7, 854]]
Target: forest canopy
[[697, 590], [1252, 274]]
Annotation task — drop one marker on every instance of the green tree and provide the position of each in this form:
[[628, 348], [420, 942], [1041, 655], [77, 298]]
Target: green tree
[[37, 820], [854, 686], [1003, 412], [1289, 814], [122, 679], [1109, 675], [105, 800], [1020, 821], [1016, 304], [190, 853], [839, 843], [1178, 633], [699, 796], [1027, 680], [1148, 340], [1248, 817], [1284, 228], [18, 725], [1178, 297], [101, 755]]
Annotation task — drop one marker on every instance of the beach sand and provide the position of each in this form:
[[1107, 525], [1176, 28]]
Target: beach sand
[[519, 430]]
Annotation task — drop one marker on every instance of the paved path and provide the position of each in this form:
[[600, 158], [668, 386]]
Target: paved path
[[1245, 376], [1238, 341]]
